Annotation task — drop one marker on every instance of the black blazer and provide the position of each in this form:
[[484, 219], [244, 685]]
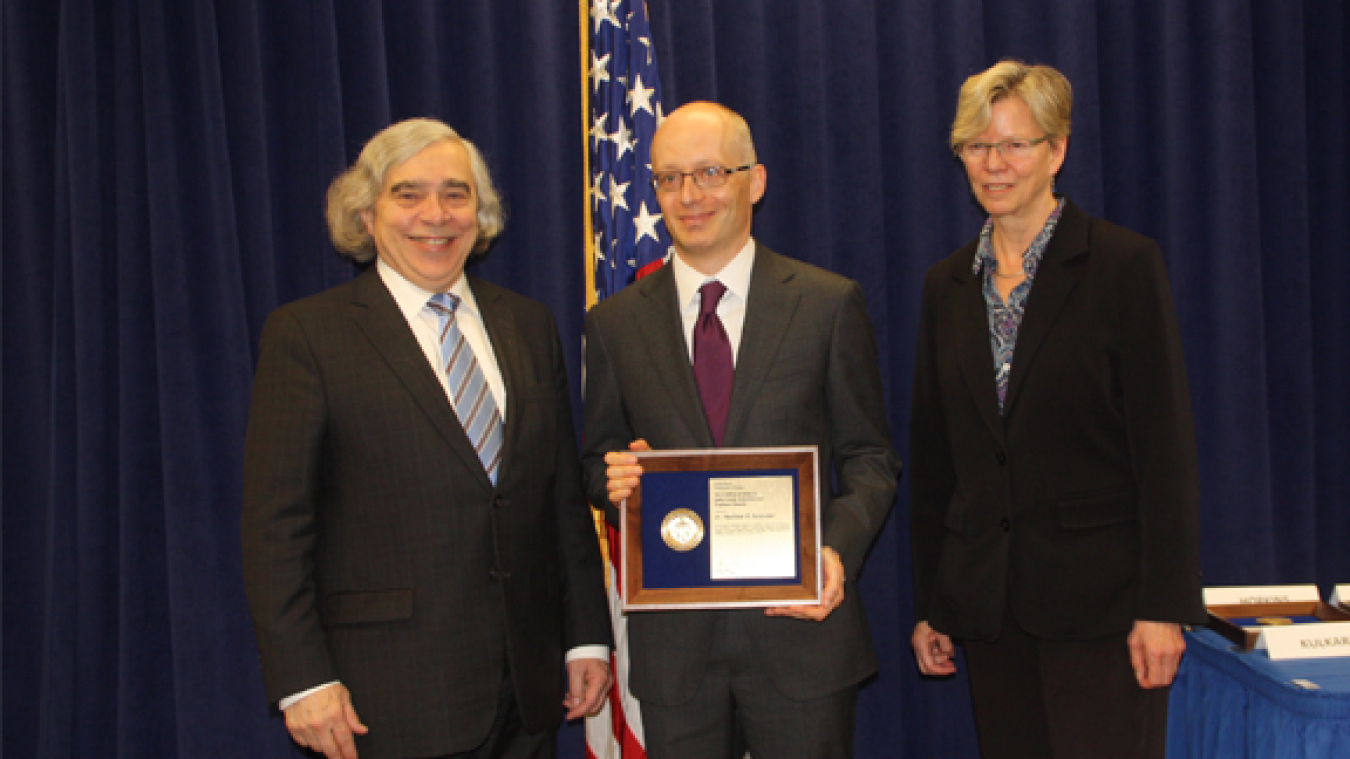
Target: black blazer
[[376, 550], [1079, 505], [806, 373]]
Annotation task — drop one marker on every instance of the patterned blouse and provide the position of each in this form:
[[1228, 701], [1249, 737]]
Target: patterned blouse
[[1006, 318]]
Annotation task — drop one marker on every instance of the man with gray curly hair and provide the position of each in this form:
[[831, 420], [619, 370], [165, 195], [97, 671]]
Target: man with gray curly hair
[[419, 558]]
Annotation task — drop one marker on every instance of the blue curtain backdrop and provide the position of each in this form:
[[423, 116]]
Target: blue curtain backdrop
[[162, 169]]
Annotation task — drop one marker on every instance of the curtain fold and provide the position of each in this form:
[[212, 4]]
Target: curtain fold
[[163, 165]]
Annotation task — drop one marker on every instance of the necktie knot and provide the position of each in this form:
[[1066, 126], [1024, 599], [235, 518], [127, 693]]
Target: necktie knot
[[712, 292], [444, 304]]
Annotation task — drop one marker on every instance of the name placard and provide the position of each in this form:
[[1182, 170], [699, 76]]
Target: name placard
[[1306, 641], [1340, 596], [1260, 594]]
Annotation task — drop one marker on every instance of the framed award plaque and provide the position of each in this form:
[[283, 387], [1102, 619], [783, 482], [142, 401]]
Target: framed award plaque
[[723, 528]]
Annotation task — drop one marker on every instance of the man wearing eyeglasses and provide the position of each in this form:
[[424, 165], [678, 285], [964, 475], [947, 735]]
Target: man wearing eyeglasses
[[732, 345]]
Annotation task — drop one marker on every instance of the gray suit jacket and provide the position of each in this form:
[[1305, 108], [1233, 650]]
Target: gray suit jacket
[[376, 550], [806, 374]]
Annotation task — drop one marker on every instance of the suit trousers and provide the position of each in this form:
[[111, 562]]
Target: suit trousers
[[737, 707], [1050, 699], [507, 739]]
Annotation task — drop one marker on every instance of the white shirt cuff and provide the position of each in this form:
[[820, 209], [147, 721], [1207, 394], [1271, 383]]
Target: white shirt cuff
[[290, 701], [580, 652], [589, 652]]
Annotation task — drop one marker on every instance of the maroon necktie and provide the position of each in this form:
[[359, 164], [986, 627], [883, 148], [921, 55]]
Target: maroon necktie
[[713, 369]]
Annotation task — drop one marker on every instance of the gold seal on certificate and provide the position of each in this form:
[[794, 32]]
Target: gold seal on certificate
[[682, 530]]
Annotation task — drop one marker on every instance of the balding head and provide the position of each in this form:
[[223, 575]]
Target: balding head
[[738, 144], [709, 225]]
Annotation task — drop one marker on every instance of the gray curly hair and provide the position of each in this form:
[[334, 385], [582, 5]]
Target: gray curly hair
[[355, 190]]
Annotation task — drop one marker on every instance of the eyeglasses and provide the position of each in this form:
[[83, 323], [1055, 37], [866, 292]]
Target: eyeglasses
[[1009, 149], [706, 177]]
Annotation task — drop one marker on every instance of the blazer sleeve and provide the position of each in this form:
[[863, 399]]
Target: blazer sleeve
[[1162, 442], [932, 478], [866, 464], [606, 422], [585, 605], [278, 524]]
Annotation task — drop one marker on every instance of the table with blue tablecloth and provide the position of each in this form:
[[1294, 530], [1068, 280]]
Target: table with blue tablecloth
[[1230, 704]]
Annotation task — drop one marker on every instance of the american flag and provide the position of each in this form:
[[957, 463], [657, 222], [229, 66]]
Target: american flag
[[628, 241], [628, 235]]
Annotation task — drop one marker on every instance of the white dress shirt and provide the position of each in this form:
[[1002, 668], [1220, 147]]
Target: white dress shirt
[[731, 309], [426, 326]]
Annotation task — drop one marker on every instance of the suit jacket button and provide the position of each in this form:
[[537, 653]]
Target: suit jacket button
[[1002, 458], [1006, 524]]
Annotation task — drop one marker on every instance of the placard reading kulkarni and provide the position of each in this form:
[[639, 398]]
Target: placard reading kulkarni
[[753, 528]]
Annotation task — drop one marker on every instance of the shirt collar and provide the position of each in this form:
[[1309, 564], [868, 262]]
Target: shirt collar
[[735, 275], [1031, 259], [411, 299]]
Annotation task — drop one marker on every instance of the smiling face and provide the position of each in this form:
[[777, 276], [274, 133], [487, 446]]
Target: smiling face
[[709, 225], [425, 222], [1018, 189]]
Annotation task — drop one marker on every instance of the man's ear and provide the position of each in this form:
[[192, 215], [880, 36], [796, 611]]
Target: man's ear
[[759, 178]]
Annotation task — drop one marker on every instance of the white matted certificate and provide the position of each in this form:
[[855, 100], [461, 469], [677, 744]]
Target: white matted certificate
[[722, 528], [753, 527]]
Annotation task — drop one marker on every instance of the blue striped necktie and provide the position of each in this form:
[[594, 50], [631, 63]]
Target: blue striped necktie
[[469, 391]]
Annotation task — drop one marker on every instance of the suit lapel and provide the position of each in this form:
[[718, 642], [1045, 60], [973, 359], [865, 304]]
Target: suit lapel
[[378, 317], [1055, 282], [971, 325], [663, 335], [769, 308]]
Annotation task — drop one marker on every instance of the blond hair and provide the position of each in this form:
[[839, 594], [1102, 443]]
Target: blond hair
[[1045, 91]]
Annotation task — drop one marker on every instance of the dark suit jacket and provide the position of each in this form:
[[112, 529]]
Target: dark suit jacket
[[806, 374], [376, 550], [1079, 505]]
